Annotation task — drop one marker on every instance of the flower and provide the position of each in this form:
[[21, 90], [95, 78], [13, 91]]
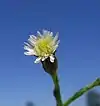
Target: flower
[[42, 46]]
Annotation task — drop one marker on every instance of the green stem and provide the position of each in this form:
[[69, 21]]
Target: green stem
[[82, 91], [56, 91]]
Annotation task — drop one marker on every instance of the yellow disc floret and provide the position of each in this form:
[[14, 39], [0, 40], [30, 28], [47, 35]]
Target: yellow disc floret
[[44, 46]]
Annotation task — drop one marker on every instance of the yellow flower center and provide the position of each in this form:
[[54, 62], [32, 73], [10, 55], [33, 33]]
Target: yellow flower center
[[43, 46]]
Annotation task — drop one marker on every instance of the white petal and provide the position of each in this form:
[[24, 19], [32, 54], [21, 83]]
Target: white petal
[[52, 58], [33, 37], [32, 41], [39, 34], [58, 42], [45, 32], [51, 33], [26, 44], [37, 60], [29, 53], [28, 48], [44, 58], [55, 38], [54, 48]]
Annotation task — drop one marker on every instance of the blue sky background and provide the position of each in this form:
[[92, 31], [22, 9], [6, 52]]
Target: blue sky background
[[78, 24]]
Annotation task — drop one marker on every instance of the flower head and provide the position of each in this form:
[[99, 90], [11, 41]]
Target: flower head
[[42, 46]]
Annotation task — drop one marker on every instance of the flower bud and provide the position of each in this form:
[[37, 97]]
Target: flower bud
[[50, 67]]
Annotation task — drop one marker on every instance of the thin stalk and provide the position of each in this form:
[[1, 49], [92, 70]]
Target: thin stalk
[[56, 91], [82, 91]]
